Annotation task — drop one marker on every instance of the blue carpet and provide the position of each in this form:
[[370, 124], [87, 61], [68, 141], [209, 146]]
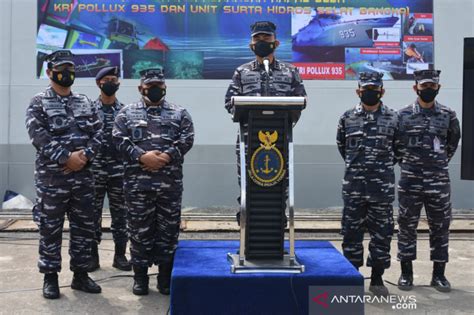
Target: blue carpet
[[202, 282]]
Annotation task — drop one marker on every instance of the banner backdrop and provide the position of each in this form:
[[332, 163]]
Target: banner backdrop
[[208, 39]]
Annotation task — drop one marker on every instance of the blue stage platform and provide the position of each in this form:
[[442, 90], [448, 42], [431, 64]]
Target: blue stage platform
[[202, 282]]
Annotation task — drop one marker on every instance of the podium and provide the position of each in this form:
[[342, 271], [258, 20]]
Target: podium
[[266, 183]]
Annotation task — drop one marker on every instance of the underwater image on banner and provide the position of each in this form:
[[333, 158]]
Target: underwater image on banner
[[208, 39]]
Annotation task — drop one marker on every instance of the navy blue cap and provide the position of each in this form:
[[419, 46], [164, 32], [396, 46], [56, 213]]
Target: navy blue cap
[[424, 76], [107, 71], [59, 57], [370, 78], [265, 27], [152, 75]]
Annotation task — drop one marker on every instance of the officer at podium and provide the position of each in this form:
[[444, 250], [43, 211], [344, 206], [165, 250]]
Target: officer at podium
[[367, 139], [430, 133], [265, 75]]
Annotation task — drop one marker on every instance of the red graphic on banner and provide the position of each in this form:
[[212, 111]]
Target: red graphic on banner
[[375, 51], [387, 44], [418, 38], [331, 71], [423, 15]]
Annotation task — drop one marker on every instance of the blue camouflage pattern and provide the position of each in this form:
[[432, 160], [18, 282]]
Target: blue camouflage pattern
[[108, 173], [367, 141], [250, 80], [153, 198], [58, 126], [430, 138]]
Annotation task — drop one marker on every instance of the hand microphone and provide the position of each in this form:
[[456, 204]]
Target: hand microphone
[[266, 64]]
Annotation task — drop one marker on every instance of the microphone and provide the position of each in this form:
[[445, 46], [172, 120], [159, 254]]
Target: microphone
[[266, 64]]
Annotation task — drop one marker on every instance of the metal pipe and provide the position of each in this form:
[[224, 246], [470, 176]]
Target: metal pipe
[[243, 195], [291, 197], [269, 100]]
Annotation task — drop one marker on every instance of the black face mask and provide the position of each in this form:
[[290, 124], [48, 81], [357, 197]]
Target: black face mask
[[427, 95], [263, 49], [109, 88], [64, 78], [370, 97], [154, 94]]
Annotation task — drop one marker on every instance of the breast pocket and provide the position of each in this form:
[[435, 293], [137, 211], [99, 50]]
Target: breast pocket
[[83, 116], [282, 83], [354, 134], [85, 123], [138, 133], [413, 140], [58, 121], [384, 137], [251, 83], [353, 143], [439, 127], [169, 130]]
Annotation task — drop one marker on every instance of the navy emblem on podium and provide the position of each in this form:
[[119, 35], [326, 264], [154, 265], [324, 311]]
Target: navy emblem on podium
[[267, 166]]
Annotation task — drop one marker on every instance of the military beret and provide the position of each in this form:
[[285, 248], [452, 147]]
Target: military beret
[[107, 71]]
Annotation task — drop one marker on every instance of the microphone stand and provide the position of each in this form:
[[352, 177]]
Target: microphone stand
[[266, 64]]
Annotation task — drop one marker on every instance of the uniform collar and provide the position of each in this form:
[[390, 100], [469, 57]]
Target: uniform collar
[[115, 105], [164, 105], [359, 109], [417, 108], [276, 65], [52, 93]]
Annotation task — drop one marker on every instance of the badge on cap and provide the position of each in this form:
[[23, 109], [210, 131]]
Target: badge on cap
[[370, 78], [263, 27], [152, 75], [424, 76], [59, 57]]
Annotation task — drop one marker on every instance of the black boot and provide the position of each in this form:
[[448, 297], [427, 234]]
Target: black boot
[[94, 264], [376, 282], [120, 261], [140, 277], [164, 277], [439, 281], [82, 282], [405, 282], [51, 286]]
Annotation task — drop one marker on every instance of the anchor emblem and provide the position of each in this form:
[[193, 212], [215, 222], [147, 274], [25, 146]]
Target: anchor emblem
[[267, 164], [267, 170]]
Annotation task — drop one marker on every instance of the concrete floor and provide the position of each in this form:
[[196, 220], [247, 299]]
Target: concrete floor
[[20, 284]]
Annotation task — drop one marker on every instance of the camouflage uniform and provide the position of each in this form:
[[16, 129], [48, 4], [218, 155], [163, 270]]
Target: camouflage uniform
[[429, 140], [250, 80], [108, 174], [58, 126], [366, 142], [153, 198]]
